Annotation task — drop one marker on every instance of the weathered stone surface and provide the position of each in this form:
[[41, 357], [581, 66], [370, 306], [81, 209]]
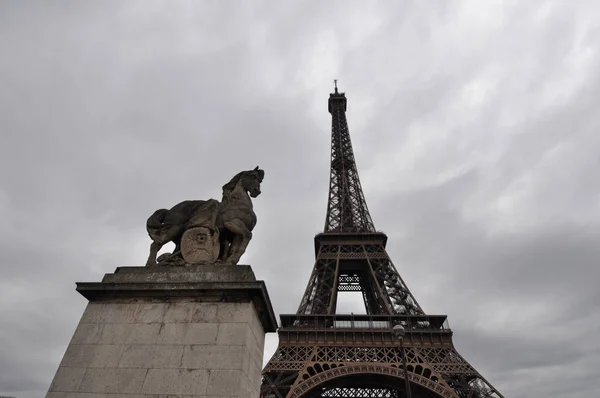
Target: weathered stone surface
[[113, 380], [235, 334], [67, 378], [57, 395], [225, 382], [142, 294], [192, 337], [92, 355], [129, 333], [152, 357], [250, 388], [151, 313], [176, 381], [237, 313], [188, 333], [93, 313], [214, 357], [234, 215], [116, 313], [200, 245], [180, 344], [200, 273], [117, 395], [183, 312], [87, 333]]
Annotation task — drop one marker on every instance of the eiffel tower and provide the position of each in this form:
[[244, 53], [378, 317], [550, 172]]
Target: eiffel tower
[[325, 354]]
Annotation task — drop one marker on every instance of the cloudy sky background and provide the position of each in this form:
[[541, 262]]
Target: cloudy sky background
[[475, 126]]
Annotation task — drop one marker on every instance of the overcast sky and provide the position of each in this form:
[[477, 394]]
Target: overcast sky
[[476, 129]]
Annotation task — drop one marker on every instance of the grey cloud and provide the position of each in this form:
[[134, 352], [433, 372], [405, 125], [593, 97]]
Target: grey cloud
[[474, 127]]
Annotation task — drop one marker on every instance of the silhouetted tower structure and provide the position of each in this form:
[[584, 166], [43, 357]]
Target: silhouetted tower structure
[[325, 354]]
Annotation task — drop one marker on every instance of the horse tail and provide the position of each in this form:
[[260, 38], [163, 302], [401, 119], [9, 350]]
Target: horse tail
[[155, 221]]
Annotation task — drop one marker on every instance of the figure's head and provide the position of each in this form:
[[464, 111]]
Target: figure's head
[[252, 181], [249, 180]]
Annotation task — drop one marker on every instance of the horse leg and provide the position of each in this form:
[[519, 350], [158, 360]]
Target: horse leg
[[225, 249], [154, 248], [240, 242], [234, 249], [177, 250]]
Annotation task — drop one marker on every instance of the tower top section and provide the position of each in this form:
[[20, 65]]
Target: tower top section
[[336, 98], [347, 210]]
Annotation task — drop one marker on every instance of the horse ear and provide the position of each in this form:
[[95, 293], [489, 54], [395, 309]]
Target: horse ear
[[256, 169]]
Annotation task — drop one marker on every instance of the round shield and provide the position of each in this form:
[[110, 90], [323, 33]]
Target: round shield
[[200, 245]]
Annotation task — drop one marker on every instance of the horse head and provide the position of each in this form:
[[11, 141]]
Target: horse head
[[249, 180], [252, 180]]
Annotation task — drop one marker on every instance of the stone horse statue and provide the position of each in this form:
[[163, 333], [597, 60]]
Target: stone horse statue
[[206, 231]]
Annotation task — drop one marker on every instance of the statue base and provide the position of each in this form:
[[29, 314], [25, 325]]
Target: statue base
[[168, 331]]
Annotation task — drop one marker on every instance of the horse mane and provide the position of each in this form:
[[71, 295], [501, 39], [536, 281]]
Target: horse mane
[[227, 188], [230, 186]]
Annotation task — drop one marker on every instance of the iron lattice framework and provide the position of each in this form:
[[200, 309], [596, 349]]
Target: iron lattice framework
[[325, 354], [347, 208]]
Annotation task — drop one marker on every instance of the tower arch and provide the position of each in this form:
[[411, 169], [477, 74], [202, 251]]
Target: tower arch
[[368, 381]]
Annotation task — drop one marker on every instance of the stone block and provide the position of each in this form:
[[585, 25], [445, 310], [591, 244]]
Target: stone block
[[176, 381], [87, 333], [236, 334], [122, 313], [225, 382], [187, 333], [253, 368], [257, 328], [151, 312], [111, 313], [258, 351], [190, 312], [67, 379], [152, 356], [248, 389], [235, 312], [129, 333], [113, 380], [56, 395], [253, 362], [213, 357], [93, 313], [92, 355]]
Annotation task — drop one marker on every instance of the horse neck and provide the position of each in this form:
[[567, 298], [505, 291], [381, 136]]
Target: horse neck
[[238, 194]]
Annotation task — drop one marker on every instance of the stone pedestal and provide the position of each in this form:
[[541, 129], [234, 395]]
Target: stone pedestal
[[168, 332]]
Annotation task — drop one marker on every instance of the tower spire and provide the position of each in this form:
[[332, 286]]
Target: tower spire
[[347, 209]]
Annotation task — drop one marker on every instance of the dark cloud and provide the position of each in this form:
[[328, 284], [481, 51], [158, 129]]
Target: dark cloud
[[474, 127]]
